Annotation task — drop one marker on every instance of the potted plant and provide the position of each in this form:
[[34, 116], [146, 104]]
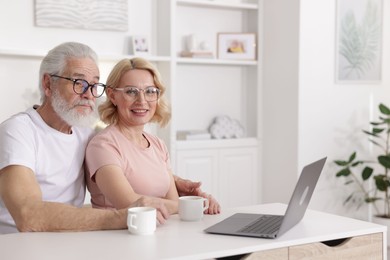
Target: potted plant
[[360, 171]]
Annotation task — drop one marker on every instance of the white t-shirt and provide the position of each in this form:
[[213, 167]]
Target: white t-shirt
[[55, 158]]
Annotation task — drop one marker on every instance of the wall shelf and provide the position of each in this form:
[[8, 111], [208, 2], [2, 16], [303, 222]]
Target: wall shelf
[[37, 54], [217, 143], [216, 62], [217, 4], [23, 53]]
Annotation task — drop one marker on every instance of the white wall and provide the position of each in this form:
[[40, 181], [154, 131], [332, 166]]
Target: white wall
[[18, 30], [280, 99], [331, 116], [313, 116]]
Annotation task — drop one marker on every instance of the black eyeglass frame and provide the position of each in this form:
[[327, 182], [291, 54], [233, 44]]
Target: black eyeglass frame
[[85, 87]]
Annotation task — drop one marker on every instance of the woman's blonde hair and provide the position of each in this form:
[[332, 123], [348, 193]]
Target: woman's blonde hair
[[107, 110]]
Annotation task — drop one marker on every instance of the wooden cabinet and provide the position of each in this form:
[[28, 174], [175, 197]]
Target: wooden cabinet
[[355, 248]]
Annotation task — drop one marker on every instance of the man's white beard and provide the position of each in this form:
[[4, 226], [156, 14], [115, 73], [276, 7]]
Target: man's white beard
[[69, 114]]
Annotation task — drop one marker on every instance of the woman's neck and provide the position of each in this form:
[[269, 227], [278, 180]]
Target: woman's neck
[[134, 134]]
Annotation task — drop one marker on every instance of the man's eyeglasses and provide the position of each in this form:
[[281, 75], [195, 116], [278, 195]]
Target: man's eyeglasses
[[131, 93], [80, 86]]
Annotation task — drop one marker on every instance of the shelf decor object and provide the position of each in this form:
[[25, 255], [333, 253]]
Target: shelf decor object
[[225, 127], [195, 48], [193, 135], [237, 46], [140, 45]]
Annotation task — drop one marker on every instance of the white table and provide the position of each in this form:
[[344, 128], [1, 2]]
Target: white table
[[181, 240]]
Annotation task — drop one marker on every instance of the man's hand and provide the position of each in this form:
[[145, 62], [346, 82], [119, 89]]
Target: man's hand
[[162, 211], [190, 188]]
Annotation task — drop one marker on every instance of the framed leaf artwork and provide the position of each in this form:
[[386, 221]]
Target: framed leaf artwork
[[359, 41]]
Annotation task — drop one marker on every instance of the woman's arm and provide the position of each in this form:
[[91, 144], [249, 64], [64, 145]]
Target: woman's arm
[[172, 198], [116, 188]]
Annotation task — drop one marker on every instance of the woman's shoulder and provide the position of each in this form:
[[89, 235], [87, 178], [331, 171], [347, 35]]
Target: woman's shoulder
[[105, 134]]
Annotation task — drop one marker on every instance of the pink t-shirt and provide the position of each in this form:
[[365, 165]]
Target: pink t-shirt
[[147, 170]]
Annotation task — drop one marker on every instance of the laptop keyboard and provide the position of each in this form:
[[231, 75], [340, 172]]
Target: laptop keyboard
[[267, 224]]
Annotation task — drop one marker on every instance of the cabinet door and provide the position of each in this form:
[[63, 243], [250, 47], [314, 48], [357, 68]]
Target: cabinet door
[[238, 177], [199, 165], [356, 248]]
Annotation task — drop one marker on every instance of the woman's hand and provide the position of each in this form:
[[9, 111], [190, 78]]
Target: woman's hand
[[190, 188], [214, 207]]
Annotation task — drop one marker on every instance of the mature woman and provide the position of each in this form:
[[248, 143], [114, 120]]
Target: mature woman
[[123, 161]]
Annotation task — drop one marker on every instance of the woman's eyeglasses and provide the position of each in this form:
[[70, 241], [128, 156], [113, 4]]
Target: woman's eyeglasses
[[131, 93]]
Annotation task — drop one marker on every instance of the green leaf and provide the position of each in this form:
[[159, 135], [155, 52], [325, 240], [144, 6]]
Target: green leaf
[[381, 182], [348, 198], [374, 142], [343, 172], [384, 160], [370, 200], [377, 130], [352, 157], [366, 173], [341, 163], [356, 163], [370, 133], [384, 109]]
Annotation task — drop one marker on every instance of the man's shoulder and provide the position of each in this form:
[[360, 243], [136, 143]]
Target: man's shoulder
[[21, 119], [84, 131]]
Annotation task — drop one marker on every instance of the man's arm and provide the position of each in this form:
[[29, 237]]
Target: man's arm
[[23, 198]]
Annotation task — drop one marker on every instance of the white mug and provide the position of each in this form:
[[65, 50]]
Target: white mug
[[141, 220], [191, 207]]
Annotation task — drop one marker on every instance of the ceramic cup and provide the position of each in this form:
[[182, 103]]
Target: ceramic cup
[[191, 207], [141, 220]]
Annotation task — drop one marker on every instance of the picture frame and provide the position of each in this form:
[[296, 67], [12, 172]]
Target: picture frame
[[103, 15], [236, 46], [140, 45], [359, 33]]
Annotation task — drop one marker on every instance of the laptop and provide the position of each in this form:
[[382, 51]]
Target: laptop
[[272, 226]]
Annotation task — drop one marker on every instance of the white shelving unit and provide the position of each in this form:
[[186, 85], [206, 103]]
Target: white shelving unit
[[202, 89]]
